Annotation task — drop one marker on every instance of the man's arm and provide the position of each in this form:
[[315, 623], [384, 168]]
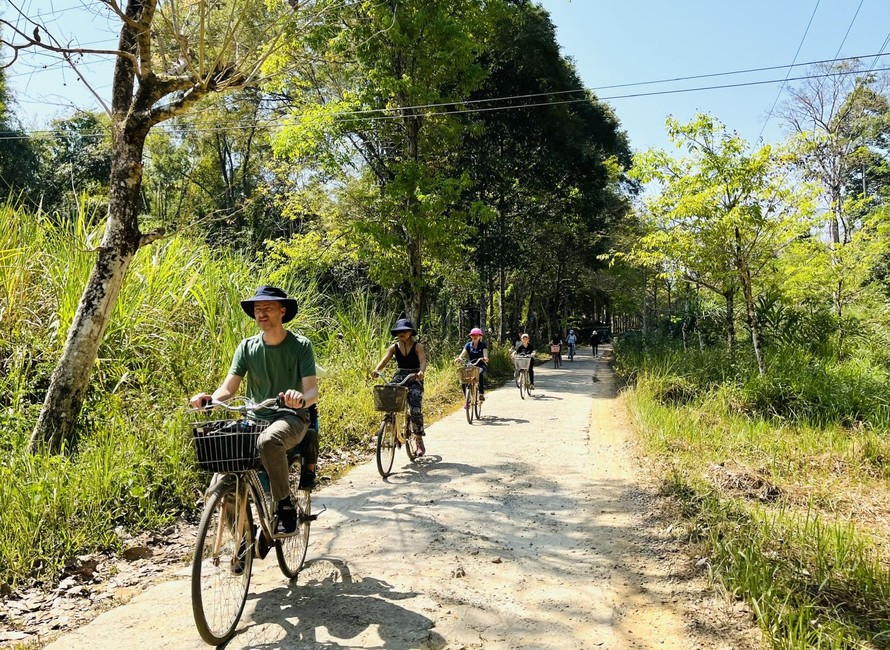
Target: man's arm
[[227, 389], [298, 400]]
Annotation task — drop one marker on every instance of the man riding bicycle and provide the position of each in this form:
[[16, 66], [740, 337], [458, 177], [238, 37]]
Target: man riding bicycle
[[572, 340], [276, 363]]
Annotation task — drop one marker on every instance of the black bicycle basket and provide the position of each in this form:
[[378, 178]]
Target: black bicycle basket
[[227, 445]]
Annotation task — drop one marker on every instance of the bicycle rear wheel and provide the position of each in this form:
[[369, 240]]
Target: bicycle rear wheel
[[527, 385], [410, 438], [291, 551], [221, 566], [477, 406], [386, 445]]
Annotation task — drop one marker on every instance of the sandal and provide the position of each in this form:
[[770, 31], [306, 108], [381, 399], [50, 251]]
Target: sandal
[[421, 450]]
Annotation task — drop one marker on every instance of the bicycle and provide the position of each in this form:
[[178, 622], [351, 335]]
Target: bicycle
[[571, 351], [555, 354], [521, 363], [227, 537], [469, 379], [392, 399]]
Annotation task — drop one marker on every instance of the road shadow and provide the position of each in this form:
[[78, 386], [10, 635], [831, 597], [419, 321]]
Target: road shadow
[[496, 421], [329, 607]]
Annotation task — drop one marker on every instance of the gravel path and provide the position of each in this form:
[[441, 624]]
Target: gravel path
[[529, 529]]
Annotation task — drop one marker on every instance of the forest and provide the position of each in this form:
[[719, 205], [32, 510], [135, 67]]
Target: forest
[[444, 162]]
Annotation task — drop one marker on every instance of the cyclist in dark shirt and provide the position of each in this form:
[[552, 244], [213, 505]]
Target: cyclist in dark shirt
[[556, 349], [476, 350], [524, 347], [410, 358]]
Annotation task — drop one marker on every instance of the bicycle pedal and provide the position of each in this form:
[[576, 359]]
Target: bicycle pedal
[[303, 517]]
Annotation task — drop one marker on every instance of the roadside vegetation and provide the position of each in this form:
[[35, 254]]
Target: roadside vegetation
[[172, 334], [783, 483]]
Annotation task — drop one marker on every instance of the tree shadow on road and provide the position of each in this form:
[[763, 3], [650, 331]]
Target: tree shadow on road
[[328, 607], [430, 469], [498, 421]]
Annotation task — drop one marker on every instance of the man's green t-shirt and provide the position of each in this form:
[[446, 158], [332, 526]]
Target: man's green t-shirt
[[273, 369]]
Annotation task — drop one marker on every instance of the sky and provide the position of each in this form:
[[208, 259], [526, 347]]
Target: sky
[[612, 42], [616, 42]]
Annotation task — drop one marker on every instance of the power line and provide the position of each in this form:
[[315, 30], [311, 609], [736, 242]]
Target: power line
[[839, 47], [782, 87], [380, 114], [880, 52]]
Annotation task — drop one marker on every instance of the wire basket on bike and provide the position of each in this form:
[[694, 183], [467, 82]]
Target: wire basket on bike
[[555, 349], [227, 445], [390, 398], [521, 362], [469, 375]]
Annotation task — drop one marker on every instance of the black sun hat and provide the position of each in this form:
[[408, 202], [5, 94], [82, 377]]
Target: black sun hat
[[267, 292], [403, 325]]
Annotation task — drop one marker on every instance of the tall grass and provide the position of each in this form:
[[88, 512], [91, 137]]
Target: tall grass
[[172, 333], [783, 480], [810, 583]]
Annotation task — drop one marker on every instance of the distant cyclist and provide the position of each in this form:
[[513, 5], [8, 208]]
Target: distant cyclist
[[410, 358], [571, 341], [476, 350], [556, 350], [523, 347]]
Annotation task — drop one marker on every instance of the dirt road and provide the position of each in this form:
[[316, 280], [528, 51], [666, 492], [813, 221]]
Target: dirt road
[[529, 529]]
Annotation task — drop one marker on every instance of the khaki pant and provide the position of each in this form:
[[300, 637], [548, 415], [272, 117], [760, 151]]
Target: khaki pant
[[273, 444]]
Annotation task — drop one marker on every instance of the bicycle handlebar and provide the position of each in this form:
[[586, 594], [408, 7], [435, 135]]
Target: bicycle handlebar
[[249, 407], [404, 381]]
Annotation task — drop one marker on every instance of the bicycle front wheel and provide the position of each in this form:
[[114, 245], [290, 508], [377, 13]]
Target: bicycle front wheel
[[469, 394], [520, 383], [291, 551], [222, 564], [386, 445]]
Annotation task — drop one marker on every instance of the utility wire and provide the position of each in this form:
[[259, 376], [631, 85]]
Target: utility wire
[[880, 52], [839, 47], [387, 114], [782, 87]]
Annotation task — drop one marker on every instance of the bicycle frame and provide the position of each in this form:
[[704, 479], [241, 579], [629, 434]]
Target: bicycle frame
[[472, 404], [228, 539], [402, 433]]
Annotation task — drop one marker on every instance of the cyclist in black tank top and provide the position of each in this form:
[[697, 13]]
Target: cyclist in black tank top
[[411, 358], [410, 361]]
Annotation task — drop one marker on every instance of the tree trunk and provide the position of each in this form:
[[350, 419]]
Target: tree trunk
[[70, 380], [748, 292], [502, 293], [645, 307], [729, 296]]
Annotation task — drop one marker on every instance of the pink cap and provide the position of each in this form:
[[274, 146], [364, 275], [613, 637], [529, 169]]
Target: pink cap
[[475, 331]]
